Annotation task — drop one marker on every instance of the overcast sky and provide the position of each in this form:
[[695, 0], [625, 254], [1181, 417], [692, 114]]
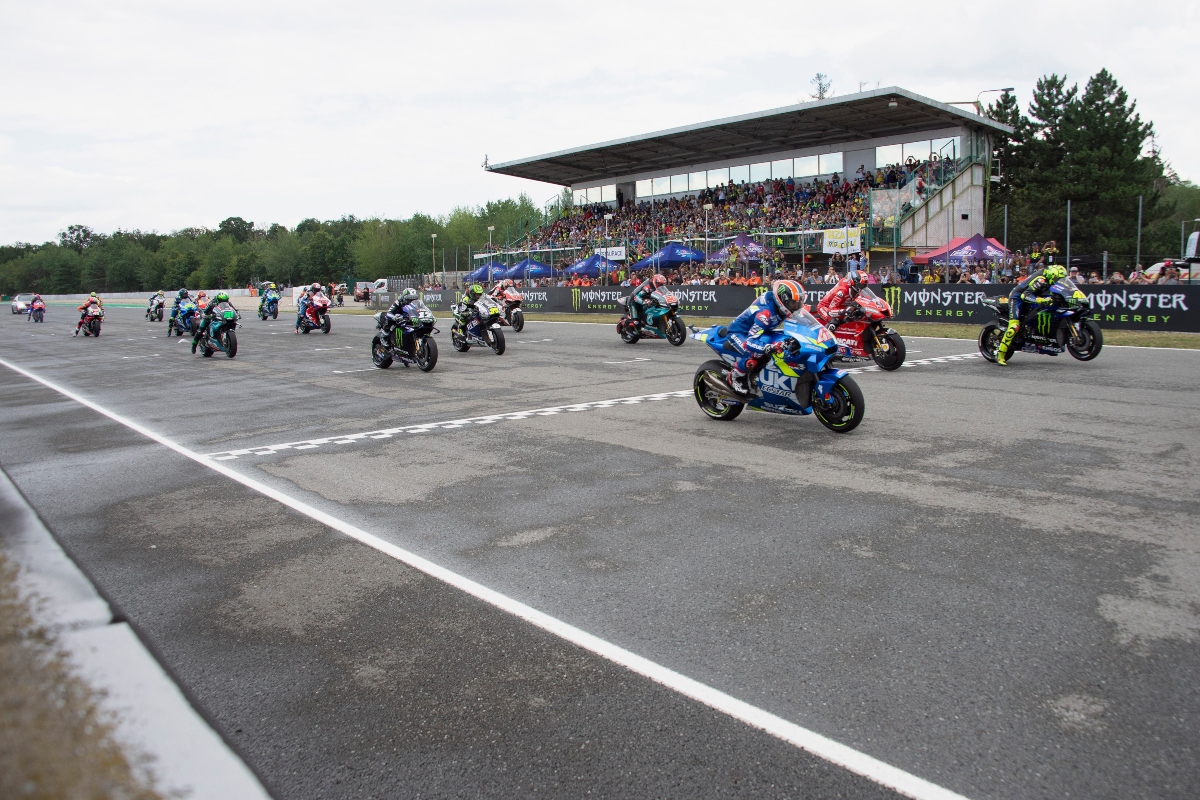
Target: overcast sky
[[166, 115]]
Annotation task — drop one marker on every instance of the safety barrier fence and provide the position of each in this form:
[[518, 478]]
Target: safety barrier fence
[[1156, 308]]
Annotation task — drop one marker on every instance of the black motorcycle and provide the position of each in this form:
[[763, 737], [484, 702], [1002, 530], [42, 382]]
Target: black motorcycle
[[412, 343], [220, 333], [1061, 325]]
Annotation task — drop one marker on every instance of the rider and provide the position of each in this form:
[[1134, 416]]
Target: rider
[[180, 296], [263, 301], [201, 299], [157, 300], [37, 298], [644, 296], [399, 314], [500, 288], [1029, 295], [210, 313], [748, 333], [303, 302], [465, 310], [837, 301], [92, 300]]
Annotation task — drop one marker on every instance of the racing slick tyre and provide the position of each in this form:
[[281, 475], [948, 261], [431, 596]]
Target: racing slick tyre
[[628, 330], [496, 340], [989, 341], [518, 320], [457, 340], [379, 354], [675, 332], [426, 354], [1089, 343], [893, 357], [95, 328], [230, 343], [712, 403], [843, 408], [326, 324]]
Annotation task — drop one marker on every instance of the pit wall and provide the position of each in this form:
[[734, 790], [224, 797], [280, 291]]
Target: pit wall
[[1156, 308]]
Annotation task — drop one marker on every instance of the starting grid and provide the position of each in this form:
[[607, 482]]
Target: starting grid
[[454, 424]]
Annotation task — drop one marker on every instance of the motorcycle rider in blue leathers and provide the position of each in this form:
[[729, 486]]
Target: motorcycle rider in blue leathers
[[267, 296], [180, 296], [399, 314], [1029, 295], [302, 303], [749, 333]]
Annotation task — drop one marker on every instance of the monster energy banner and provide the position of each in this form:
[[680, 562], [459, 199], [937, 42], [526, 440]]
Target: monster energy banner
[[1161, 308]]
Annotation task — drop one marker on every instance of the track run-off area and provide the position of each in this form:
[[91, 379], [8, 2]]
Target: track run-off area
[[547, 573]]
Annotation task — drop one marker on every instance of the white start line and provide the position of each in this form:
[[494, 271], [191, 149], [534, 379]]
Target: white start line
[[850, 759]]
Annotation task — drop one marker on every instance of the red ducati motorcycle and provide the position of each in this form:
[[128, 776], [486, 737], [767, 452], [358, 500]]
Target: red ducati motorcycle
[[862, 335], [510, 308], [316, 316]]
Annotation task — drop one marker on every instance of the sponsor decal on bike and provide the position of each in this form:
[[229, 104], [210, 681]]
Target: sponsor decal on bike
[[1045, 320], [774, 382]]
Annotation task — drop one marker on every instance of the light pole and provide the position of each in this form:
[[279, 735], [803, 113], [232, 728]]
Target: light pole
[[433, 251], [490, 256], [1137, 259], [975, 102], [607, 217], [707, 208]]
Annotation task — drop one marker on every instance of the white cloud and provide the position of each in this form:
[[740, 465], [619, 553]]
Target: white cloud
[[139, 114]]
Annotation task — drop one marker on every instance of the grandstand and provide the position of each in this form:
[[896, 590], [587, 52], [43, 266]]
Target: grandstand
[[910, 171]]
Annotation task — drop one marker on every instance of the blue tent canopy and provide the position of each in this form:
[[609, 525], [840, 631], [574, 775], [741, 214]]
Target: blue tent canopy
[[486, 272], [590, 267], [673, 255], [529, 268]]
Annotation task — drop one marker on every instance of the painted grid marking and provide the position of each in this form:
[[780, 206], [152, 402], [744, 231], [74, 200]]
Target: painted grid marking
[[453, 424]]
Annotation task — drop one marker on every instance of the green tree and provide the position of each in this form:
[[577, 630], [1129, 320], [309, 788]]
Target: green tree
[[237, 229]]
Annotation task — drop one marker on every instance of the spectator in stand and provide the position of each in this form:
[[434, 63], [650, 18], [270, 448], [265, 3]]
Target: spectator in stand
[[1116, 278]]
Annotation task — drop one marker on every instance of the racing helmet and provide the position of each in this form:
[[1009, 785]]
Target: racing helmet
[[408, 295], [183, 293], [316, 287], [1054, 273], [474, 292], [858, 279], [789, 295], [270, 286], [658, 280], [93, 294], [221, 297]]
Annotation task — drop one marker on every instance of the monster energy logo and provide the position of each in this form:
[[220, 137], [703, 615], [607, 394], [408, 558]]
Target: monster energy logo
[[759, 291], [1044, 318], [576, 296], [892, 295]]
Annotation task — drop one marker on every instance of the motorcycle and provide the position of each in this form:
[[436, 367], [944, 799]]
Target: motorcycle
[[662, 322], [154, 310], [481, 327], [91, 325], [269, 307], [37, 310], [510, 309], [1062, 325], [316, 315], [185, 320], [797, 381], [411, 344], [220, 333], [862, 336]]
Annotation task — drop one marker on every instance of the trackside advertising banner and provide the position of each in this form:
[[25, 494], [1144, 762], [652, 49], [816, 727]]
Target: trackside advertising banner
[[1159, 308]]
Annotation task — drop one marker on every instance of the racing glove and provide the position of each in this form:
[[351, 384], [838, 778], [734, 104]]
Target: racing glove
[[1045, 301]]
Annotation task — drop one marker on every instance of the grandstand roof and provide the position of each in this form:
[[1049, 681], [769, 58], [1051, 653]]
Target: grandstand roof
[[837, 120]]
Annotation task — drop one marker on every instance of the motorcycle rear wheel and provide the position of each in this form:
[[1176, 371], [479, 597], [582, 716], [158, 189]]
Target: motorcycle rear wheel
[[628, 330], [894, 357], [379, 354], [675, 332], [711, 403], [845, 409], [496, 340], [458, 340], [426, 354], [989, 341], [518, 320], [1090, 344]]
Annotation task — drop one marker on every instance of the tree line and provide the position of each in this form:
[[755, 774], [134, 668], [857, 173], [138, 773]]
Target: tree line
[[1091, 147], [239, 251]]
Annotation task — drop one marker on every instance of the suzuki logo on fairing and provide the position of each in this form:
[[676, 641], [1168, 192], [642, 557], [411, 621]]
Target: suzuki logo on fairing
[[775, 382]]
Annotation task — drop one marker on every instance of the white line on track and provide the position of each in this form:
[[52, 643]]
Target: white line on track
[[346, 347], [810, 741], [533, 341], [627, 361], [453, 424], [347, 371], [920, 362]]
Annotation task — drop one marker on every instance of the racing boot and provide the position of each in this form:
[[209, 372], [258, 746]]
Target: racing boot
[[737, 381], [195, 341], [1005, 348]]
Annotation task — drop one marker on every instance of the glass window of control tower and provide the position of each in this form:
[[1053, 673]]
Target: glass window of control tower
[[782, 169], [697, 181], [806, 166], [718, 177], [739, 174], [644, 188]]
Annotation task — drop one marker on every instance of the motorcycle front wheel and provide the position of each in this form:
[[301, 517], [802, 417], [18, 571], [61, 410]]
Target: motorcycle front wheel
[[518, 320], [843, 409], [989, 341], [95, 326], [230, 343], [426, 354], [675, 331], [458, 339], [893, 356], [496, 340], [1087, 346], [379, 354], [326, 324], [711, 402]]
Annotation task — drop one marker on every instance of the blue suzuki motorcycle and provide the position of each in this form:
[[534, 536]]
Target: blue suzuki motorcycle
[[185, 321], [797, 381], [269, 307]]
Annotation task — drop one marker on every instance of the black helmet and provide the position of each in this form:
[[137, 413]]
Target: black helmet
[[409, 295]]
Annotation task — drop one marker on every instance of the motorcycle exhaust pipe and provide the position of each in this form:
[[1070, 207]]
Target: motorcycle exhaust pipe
[[720, 387]]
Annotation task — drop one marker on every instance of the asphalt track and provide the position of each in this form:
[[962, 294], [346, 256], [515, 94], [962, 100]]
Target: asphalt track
[[992, 585]]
